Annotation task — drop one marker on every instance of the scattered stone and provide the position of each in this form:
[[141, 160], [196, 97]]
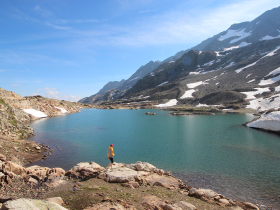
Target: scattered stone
[[32, 180]]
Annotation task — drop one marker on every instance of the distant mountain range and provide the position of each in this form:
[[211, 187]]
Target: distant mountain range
[[216, 71]]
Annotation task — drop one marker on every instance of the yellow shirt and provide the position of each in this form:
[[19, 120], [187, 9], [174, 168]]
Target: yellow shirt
[[110, 152]]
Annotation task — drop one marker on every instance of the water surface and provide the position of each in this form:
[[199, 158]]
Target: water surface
[[208, 151]]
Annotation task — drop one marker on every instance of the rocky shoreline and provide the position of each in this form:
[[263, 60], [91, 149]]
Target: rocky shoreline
[[37, 182]]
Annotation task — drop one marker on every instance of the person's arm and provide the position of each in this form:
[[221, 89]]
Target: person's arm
[[107, 154], [112, 151]]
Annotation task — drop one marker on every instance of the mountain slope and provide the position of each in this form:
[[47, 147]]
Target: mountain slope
[[170, 71], [213, 78]]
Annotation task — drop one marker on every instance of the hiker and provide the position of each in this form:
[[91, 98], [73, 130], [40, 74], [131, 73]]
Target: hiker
[[110, 154]]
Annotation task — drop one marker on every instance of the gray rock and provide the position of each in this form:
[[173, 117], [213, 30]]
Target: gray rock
[[186, 206], [224, 201], [31, 204]]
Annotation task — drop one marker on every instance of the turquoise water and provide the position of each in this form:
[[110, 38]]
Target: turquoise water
[[213, 151]]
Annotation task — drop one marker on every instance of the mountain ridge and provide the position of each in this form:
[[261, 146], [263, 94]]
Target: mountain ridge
[[239, 35]]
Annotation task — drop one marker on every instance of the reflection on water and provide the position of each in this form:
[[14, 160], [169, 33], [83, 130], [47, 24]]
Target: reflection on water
[[212, 151]]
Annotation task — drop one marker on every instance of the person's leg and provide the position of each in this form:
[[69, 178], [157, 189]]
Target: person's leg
[[111, 164]]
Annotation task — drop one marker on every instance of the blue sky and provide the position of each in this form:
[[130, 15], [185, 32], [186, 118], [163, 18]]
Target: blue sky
[[69, 49]]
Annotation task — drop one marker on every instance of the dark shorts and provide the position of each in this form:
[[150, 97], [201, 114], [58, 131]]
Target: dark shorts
[[112, 159]]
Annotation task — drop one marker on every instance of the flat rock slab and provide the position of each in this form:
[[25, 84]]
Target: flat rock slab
[[31, 204], [121, 175]]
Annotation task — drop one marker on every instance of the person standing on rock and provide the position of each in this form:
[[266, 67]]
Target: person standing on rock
[[110, 154]]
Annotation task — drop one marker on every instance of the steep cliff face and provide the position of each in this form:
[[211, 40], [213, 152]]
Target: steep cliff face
[[15, 112]]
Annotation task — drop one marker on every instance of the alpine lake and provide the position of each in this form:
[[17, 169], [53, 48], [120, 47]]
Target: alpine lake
[[206, 151]]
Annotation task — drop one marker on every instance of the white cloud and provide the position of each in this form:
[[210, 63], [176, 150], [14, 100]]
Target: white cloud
[[58, 27], [51, 93], [15, 85], [174, 27], [55, 94], [67, 21]]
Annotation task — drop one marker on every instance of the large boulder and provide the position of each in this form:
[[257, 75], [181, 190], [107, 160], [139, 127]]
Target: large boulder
[[31, 204], [12, 167], [164, 181], [85, 169], [37, 171], [207, 193], [43, 173]]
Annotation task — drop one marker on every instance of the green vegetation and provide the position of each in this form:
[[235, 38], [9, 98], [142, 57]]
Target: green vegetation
[[2, 101], [13, 122]]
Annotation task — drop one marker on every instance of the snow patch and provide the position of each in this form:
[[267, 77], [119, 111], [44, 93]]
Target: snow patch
[[35, 113], [267, 37], [244, 44], [270, 121], [135, 78], [263, 104], [274, 72], [229, 65], [250, 95], [194, 72], [172, 102], [201, 105], [188, 94], [248, 75], [241, 34], [209, 63], [162, 83], [62, 110], [152, 74], [251, 81], [241, 69], [195, 84], [269, 81], [230, 48]]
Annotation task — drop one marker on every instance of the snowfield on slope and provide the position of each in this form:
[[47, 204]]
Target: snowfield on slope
[[188, 94], [172, 102], [64, 110], [270, 121], [250, 95], [263, 104], [35, 113]]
